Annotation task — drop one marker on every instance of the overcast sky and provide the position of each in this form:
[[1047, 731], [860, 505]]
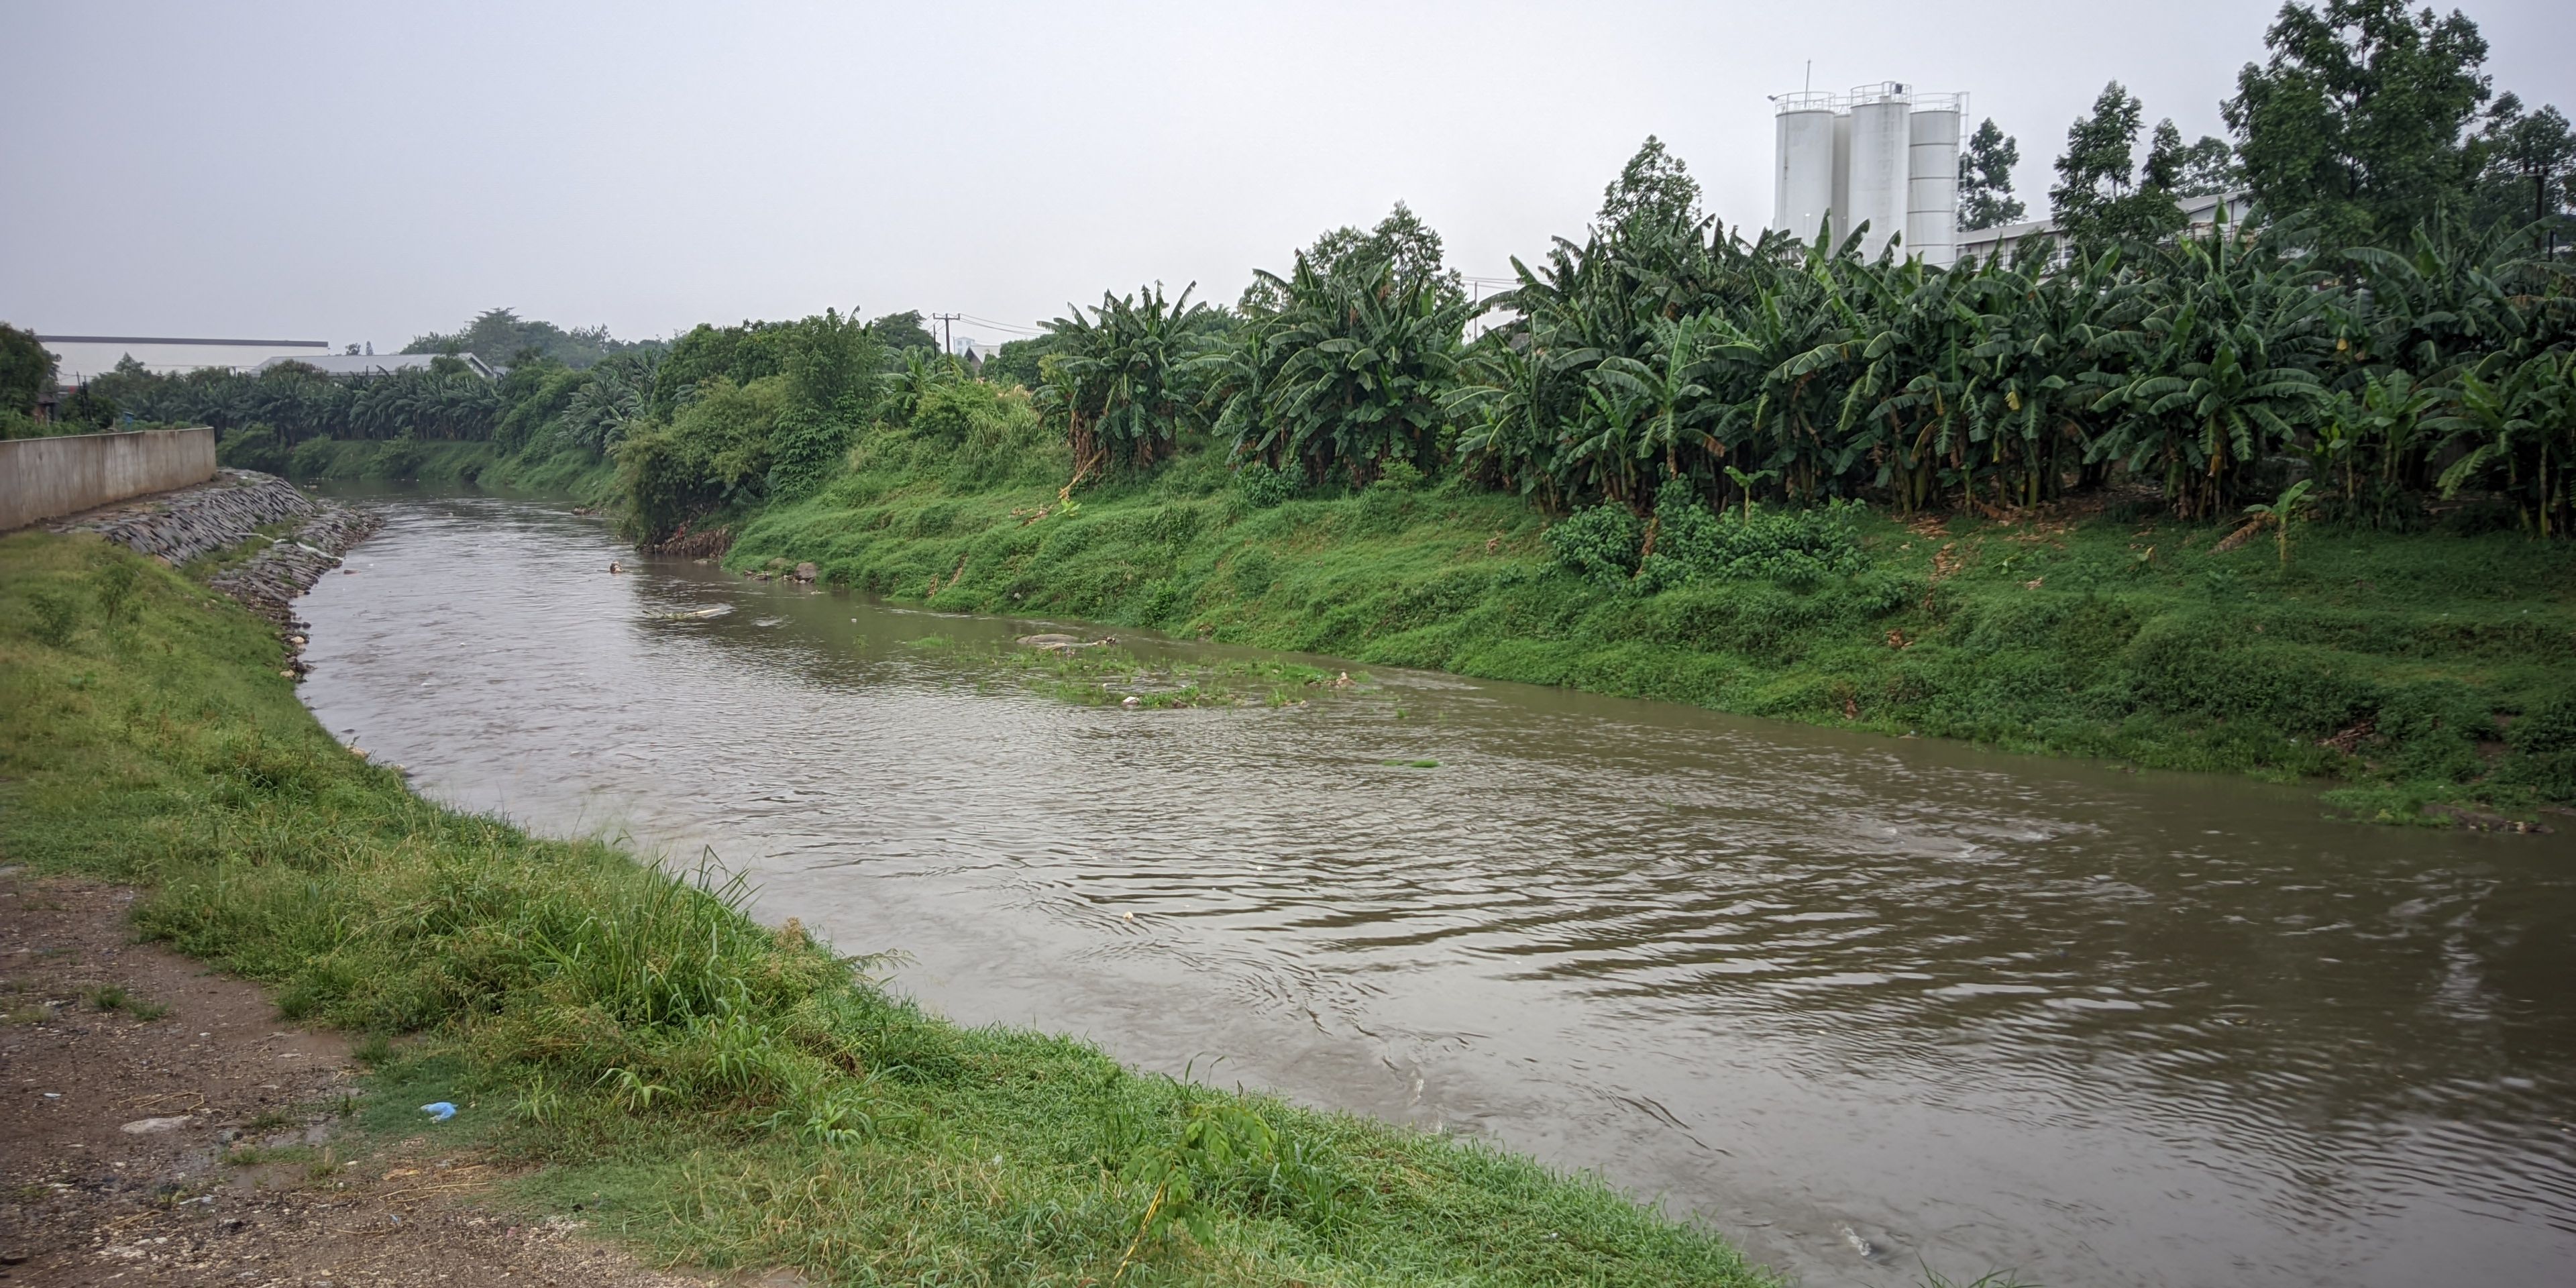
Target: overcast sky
[[366, 172]]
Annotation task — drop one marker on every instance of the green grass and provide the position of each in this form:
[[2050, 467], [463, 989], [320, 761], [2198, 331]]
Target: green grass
[[2392, 665], [114, 997], [719, 1092]]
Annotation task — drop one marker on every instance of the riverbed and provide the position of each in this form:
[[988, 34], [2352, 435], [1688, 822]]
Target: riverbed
[[1865, 1004]]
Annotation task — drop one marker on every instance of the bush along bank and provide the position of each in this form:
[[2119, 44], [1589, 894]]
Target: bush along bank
[[2431, 676], [724, 1093], [584, 476]]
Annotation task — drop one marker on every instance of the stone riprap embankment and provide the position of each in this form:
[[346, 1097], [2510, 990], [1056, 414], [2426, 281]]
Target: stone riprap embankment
[[226, 512], [271, 580], [215, 515]]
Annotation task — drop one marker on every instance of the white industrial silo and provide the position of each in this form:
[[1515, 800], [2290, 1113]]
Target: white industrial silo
[[1932, 186], [1881, 144], [1803, 187], [1842, 175]]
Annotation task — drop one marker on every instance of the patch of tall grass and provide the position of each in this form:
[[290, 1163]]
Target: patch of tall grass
[[745, 1095]]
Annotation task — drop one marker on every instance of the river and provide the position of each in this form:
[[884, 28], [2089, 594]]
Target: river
[[1865, 1004]]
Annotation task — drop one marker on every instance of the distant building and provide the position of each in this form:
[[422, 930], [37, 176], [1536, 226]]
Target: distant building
[[2199, 214], [379, 364]]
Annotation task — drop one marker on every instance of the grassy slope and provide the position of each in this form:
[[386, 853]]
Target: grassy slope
[[2063, 638], [724, 1093]]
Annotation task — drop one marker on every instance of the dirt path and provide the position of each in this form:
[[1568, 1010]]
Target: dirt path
[[124, 1131]]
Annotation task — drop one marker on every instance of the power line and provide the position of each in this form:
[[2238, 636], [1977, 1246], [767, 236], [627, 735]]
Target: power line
[[1002, 326]]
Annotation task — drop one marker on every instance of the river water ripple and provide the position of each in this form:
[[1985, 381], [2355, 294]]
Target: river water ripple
[[1865, 1004]]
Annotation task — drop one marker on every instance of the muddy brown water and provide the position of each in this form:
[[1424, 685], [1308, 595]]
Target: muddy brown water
[[1867, 1005]]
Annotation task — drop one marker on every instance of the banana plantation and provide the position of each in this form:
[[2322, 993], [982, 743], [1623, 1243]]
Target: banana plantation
[[2211, 369]]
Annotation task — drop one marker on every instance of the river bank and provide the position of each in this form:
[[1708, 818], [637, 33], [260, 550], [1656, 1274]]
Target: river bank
[[2398, 669], [168, 1129], [717, 1091]]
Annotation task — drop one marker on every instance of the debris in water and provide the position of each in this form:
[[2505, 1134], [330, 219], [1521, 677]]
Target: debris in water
[[700, 615], [1060, 643]]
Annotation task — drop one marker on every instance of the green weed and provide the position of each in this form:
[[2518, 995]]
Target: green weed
[[114, 997]]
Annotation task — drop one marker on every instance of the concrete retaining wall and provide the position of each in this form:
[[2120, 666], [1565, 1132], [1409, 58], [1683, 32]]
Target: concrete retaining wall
[[43, 478]]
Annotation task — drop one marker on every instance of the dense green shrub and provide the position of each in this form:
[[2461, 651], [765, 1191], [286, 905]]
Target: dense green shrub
[[1792, 547], [806, 449], [253, 447], [1262, 487], [716, 452], [1598, 543], [2544, 748], [2205, 664]]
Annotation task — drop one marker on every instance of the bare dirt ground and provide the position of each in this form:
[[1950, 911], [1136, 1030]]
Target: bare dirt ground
[[200, 1144]]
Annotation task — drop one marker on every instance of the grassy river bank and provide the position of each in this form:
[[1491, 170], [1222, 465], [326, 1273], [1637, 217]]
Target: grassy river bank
[[2428, 677], [717, 1091]]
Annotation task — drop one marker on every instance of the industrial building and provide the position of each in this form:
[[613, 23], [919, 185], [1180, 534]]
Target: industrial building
[[1882, 155], [370, 364], [2200, 213]]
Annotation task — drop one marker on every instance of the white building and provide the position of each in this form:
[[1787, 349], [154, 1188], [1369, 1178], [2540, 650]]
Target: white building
[[2200, 214], [378, 364]]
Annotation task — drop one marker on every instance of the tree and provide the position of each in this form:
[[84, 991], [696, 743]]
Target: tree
[[2208, 168], [1364, 360], [1402, 241], [1653, 190], [1986, 197], [502, 336], [2530, 167], [2099, 196], [1120, 378], [2201, 169], [2360, 115], [901, 331], [26, 369]]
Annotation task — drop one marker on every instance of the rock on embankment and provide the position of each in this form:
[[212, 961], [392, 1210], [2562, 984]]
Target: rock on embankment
[[218, 515], [193, 521]]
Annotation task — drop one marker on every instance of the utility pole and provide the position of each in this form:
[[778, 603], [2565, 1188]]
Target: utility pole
[[947, 333]]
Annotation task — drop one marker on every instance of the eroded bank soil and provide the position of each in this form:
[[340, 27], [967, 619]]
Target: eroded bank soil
[[205, 1145]]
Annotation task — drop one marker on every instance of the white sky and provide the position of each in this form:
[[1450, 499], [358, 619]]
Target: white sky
[[366, 172]]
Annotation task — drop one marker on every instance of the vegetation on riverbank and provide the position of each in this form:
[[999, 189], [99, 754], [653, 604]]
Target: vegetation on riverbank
[[2422, 670], [727, 1094], [584, 477]]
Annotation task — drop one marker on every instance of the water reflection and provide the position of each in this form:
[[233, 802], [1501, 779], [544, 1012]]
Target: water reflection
[[1834, 992]]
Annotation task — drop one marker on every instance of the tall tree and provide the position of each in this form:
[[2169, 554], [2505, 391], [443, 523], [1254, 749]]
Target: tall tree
[[1986, 197], [2100, 194], [900, 332], [26, 369], [502, 336], [2361, 115], [1654, 190], [1410, 247], [2209, 167], [2530, 168]]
